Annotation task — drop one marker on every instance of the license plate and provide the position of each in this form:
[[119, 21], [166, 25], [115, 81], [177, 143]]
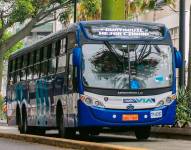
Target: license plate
[[156, 114], [130, 117]]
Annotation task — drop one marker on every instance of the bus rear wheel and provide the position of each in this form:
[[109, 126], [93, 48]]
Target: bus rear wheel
[[63, 131], [142, 133], [23, 124]]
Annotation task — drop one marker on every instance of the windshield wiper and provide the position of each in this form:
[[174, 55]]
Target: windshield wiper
[[111, 49]]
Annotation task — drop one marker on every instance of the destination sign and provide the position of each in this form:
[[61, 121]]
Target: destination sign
[[123, 31]]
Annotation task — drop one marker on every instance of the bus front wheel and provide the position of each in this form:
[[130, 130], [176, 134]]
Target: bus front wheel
[[142, 133]]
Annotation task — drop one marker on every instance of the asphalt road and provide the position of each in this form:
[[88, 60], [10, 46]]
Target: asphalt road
[[6, 144], [130, 141]]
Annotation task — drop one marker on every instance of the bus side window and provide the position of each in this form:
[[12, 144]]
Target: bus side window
[[30, 66], [70, 73], [63, 46], [44, 61], [71, 40], [36, 68], [22, 72], [10, 72], [52, 59], [57, 47], [16, 73], [62, 57]]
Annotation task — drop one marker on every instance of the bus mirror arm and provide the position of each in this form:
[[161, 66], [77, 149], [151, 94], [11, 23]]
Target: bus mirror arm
[[178, 58], [77, 56]]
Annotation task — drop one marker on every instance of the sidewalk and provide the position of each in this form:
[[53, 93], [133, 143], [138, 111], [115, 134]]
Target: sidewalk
[[174, 133], [3, 122]]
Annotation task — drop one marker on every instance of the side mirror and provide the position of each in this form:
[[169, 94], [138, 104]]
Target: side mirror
[[178, 58], [77, 55]]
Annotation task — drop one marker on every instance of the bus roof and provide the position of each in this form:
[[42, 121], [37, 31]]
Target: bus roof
[[43, 41], [106, 27]]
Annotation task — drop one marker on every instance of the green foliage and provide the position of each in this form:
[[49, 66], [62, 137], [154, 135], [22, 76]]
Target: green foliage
[[17, 46], [91, 6], [23, 9], [89, 10], [183, 112], [113, 9], [139, 6], [2, 114]]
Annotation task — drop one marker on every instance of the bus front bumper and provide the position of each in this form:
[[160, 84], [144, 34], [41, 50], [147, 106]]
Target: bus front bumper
[[93, 116]]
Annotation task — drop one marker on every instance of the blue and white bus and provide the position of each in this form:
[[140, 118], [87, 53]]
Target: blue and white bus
[[93, 76]]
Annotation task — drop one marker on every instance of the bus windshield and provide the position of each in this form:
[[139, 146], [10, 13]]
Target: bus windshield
[[124, 66]]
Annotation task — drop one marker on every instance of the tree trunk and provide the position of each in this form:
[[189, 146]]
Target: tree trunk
[[189, 59], [17, 36], [13, 40], [1, 71], [113, 10]]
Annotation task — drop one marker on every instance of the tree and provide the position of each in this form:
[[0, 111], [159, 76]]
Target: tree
[[89, 10], [124, 9], [189, 59], [113, 10], [30, 13]]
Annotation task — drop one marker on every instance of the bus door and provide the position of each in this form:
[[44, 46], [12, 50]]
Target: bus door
[[72, 94]]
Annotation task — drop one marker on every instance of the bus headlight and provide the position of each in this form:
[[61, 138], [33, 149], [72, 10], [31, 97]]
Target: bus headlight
[[169, 100], [160, 103], [91, 101]]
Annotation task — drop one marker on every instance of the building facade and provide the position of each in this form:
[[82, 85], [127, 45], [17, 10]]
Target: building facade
[[169, 16], [35, 35]]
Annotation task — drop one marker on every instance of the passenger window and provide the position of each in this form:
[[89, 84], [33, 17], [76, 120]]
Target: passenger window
[[44, 68], [53, 50], [29, 72], [57, 47], [45, 55], [63, 46], [23, 75], [31, 58], [71, 40], [41, 54], [11, 77], [61, 64], [37, 56], [15, 77], [49, 51], [52, 66], [36, 71], [25, 61], [15, 64], [10, 66], [70, 73], [20, 61]]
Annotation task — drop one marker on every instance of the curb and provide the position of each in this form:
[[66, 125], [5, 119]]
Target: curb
[[165, 130], [65, 143], [174, 133]]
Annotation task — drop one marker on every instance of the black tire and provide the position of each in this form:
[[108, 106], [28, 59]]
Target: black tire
[[84, 133], [63, 131], [94, 133], [37, 131], [142, 133], [19, 122], [24, 125]]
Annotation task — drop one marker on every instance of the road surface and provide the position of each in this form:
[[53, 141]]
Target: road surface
[[6, 144], [130, 141]]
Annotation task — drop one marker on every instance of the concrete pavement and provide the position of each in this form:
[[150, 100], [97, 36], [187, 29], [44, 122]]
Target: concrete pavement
[[76, 143]]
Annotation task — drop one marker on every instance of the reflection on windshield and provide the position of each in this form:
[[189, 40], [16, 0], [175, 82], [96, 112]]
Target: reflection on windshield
[[120, 66]]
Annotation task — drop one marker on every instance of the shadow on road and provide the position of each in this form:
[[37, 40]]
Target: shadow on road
[[105, 138]]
